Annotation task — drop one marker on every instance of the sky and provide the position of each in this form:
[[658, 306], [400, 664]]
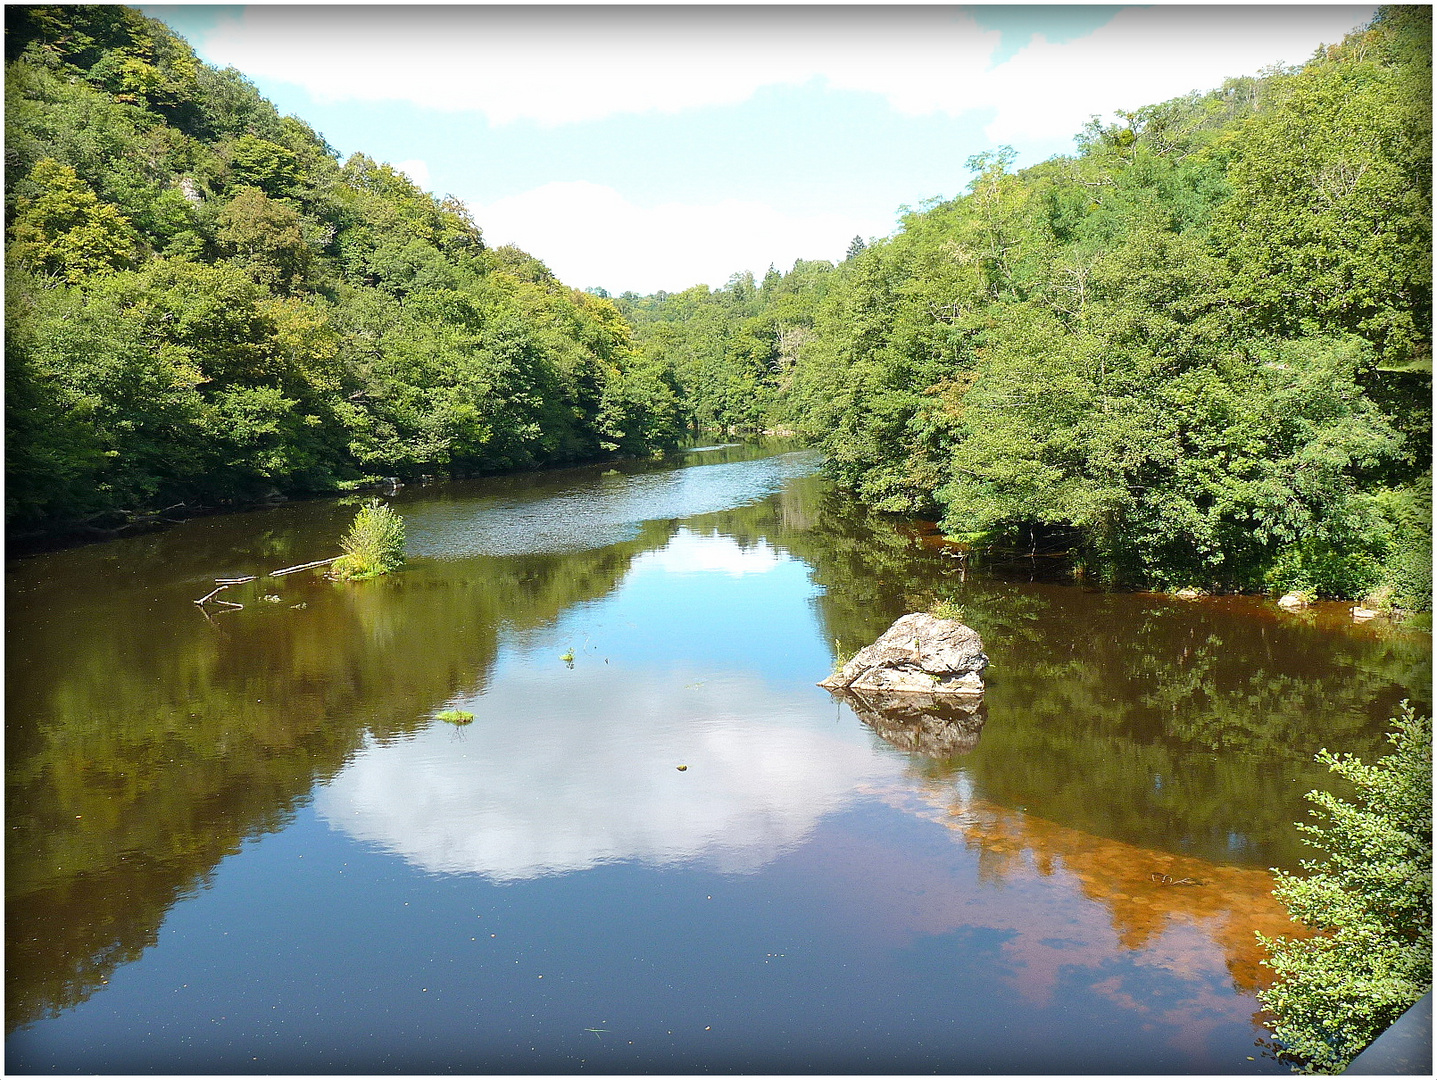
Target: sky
[[650, 148]]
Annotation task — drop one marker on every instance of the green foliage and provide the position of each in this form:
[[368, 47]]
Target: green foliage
[[64, 229], [946, 608], [1317, 570], [266, 238], [373, 546], [1330, 223], [1369, 901], [730, 354], [207, 306], [1177, 351], [1407, 563], [457, 717]]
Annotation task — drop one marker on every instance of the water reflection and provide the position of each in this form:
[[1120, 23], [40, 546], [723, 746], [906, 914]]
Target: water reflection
[[1197, 723], [566, 769], [937, 726], [557, 776], [1151, 899], [1126, 738], [592, 511]]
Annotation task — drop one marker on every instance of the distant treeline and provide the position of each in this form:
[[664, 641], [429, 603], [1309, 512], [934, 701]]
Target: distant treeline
[[1198, 351], [204, 305]]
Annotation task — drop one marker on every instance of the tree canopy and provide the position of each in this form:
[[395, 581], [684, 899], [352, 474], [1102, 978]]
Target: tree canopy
[[204, 304], [1198, 350]]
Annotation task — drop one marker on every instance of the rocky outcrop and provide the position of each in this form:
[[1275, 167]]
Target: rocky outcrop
[[935, 725], [919, 653], [1294, 601]]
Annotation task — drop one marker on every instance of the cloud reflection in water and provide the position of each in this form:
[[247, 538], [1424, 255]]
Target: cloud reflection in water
[[558, 776]]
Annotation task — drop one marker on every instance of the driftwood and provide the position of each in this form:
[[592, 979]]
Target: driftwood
[[234, 580], [302, 566], [203, 600], [1164, 879]]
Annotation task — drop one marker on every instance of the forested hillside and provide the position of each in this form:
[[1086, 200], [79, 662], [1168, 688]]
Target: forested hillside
[[204, 305], [1198, 350]]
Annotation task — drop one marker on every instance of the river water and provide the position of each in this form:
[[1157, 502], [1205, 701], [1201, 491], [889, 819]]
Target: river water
[[243, 841]]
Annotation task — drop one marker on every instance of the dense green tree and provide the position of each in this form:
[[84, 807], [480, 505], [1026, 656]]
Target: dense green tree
[[209, 306], [65, 230], [1196, 351], [266, 237], [1329, 226]]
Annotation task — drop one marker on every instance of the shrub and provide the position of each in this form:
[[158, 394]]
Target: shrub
[[1407, 561], [1370, 902], [1408, 571], [1323, 571], [374, 544]]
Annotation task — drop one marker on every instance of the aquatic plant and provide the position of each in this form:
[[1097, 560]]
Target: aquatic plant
[[455, 716], [947, 608], [374, 544], [1370, 901]]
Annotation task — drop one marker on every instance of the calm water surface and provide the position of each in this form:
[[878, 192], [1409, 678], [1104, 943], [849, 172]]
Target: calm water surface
[[244, 842]]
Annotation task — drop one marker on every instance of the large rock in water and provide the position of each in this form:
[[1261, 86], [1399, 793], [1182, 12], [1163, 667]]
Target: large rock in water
[[920, 652]]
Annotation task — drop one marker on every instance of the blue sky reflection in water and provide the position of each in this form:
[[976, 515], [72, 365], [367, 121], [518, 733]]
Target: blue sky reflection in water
[[544, 890]]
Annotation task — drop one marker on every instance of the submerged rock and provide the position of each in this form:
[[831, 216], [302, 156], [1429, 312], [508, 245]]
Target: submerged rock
[[919, 653], [935, 725]]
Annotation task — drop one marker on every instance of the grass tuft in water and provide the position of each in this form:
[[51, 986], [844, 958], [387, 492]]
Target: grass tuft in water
[[455, 716], [373, 546], [947, 609]]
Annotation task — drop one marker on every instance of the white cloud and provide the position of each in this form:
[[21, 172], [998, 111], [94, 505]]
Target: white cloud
[[538, 784], [562, 65], [416, 169], [589, 234], [567, 64], [1147, 55]]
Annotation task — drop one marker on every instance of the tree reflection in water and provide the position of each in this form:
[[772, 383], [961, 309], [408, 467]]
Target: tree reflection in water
[[1129, 743]]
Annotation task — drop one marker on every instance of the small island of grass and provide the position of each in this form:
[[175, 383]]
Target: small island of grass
[[373, 546]]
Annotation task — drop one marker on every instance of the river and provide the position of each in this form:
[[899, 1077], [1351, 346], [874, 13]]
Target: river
[[240, 839]]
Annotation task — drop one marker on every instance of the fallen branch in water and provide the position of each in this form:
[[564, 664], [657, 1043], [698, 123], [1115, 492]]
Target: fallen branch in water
[[203, 600], [302, 566], [233, 580], [1163, 879]]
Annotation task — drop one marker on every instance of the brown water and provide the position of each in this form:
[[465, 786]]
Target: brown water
[[242, 842]]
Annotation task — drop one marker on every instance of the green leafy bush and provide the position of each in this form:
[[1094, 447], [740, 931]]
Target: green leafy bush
[[1407, 563], [374, 544], [947, 608], [1370, 903], [1408, 571], [1323, 572]]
